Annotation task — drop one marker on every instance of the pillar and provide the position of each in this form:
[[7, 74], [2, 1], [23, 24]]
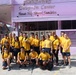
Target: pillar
[[59, 25]]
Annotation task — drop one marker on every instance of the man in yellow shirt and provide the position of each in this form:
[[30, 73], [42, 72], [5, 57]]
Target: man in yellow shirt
[[55, 48], [20, 38], [42, 43], [33, 56], [45, 60], [26, 44], [48, 44], [52, 36], [4, 39], [36, 44], [6, 57], [66, 49], [21, 57], [31, 40]]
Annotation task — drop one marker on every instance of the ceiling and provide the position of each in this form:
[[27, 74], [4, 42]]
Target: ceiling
[[5, 13]]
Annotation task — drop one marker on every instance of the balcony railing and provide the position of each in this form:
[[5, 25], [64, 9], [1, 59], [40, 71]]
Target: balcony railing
[[5, 2]]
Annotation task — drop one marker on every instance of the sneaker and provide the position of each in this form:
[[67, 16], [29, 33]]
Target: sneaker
[[9, 68], [69, 66], [20, 66]]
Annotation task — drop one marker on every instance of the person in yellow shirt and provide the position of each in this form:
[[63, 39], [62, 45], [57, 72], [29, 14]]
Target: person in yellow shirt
[[61, 39], [33, 56], [56, 48], [3, 40], [6, 58], [6, 45], [42, 43], [48, 44], [52, 34], [26, 44], [12, 43], [21, 57], [44, 59], [10, 38], [36, 44], [31, 40], [21, 38], [16, 48], [66, 49]]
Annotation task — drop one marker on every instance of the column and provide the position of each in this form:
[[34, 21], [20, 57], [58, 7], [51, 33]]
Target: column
[[59, 25]]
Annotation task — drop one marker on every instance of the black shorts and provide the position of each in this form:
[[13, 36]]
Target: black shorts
[[37, 50], [15, 51], [33, 61], [66, 53], [48, 50]]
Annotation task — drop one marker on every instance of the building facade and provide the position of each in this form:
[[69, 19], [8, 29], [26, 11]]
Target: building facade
[[41, 16]]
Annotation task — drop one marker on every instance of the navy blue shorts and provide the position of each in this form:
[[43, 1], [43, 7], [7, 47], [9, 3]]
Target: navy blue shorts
[[66, 53], [48, 50], [4, 64]]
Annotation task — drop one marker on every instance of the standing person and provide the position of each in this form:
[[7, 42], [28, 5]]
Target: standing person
[[61, 39], [31, 40], [42, 43], [48, 44], [52, 36], [66, 49], [6, 45], [16, 47], [26, 44], [20, 38], [10, 38], [6, 58], [36, 44], [3, 40], [55, 48]]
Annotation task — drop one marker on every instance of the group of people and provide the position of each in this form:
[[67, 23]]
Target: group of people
[[25, 50]]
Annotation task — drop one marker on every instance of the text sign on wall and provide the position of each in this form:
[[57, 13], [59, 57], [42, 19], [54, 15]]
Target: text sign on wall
[[48, 10]]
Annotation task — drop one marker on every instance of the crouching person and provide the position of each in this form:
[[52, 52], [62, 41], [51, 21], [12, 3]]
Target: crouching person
[[33, 56], [6, 56], [21, 58], [45, 60]]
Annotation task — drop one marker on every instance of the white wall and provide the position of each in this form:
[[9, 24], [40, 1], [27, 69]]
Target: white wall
[[7, 2]]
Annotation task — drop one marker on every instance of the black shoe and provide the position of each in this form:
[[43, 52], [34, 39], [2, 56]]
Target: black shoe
[[9, 68], [20, 66]]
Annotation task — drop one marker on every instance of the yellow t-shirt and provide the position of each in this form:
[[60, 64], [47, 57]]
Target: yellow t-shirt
[[67, 42], [52, 38], [20, 40], [55, 44], [21, 56], [10, 40], [36, 42], [61, 39], [5, 55], [33, 54], [16, 45], [47, 44], [4, 40], [42, 44], [44, 56], [31, 40], [26, 44], [13, 42]]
